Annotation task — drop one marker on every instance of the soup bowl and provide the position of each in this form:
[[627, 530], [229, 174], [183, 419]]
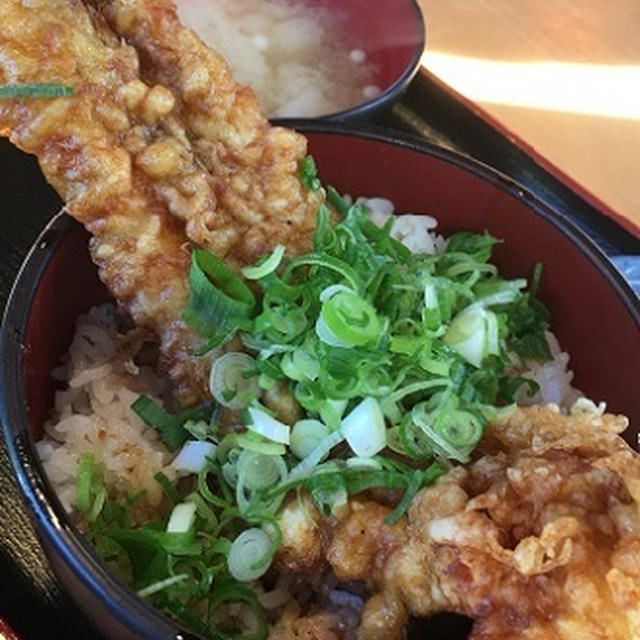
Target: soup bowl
[[392, 36], [388, 36], [595, 315]]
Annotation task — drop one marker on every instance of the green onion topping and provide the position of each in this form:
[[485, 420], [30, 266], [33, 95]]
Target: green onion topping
[[35, 90]]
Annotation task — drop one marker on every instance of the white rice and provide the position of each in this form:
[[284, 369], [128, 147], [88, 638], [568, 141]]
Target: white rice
[[292, 55], [94, 414], [553, 378], [416, 232]]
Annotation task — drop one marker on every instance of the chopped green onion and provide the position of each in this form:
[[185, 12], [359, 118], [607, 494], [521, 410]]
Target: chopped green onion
[[350, 318], [329, 263], [239, 593], [247, 551], [309, 173], [329, 337], [469, 335], [147, 556], [260, 471], [218, 298], [364, 428], [360, 327], [84, 480], [167, 486], [199, 429], [267, 266], [360, 462], [304, 467], [263, 424], [169, 426], [306, 435], [161, 585], [254, 442], [91, 492], [233, 380], [304, 362], [338, 202], [192, 458], [300, 365], [35, 90], [430, 295], [331, 290], [182, 517], [329, 492], [452, 433], [332, 411], [416, 480]]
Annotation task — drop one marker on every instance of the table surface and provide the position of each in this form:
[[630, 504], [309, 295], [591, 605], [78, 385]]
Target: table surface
[[562, 75]]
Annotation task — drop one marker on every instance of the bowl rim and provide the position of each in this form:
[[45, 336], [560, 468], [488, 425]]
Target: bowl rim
[[370, 108], [44, 507]]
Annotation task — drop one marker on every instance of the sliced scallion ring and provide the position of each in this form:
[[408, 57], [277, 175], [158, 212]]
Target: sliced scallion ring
[[247, 552], [234, 380], [269, 265], [453, 433], [260, 471], [182, 517], [328, 337], [260, 422], [306, 435], [351, 318], [364, 428]]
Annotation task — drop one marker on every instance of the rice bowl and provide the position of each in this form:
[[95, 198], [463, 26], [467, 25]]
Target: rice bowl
[[432, 208]]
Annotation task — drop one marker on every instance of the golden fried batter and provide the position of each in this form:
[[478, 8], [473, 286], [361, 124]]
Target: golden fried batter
[[538, 539], [117, 157], [533, 540], [255, 166], [291, 626]]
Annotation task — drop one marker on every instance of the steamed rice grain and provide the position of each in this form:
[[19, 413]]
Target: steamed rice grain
[[94, 413]]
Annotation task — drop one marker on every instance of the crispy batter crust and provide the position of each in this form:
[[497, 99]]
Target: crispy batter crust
[[255, 166], [538, 539], [117, 157]]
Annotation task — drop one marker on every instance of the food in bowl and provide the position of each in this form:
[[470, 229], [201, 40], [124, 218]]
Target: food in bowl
[[528, 537], [293, 55], [356, 518]]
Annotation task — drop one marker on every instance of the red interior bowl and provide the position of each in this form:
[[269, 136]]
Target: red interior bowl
[[595, 315], [392, 35]]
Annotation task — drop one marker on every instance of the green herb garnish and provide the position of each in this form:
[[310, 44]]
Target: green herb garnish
[[169, 426], [35, 90]]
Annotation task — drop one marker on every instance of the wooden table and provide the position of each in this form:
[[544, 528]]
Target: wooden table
[[564, 76]]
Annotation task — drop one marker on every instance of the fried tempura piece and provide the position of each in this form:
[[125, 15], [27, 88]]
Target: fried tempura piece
[[538, 539], [255, 166], [117, 157], [291, 626]]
